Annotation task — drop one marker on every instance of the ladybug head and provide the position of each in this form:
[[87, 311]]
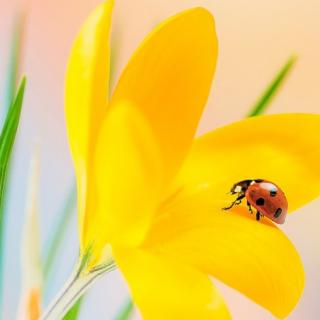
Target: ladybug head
[[240, 187]]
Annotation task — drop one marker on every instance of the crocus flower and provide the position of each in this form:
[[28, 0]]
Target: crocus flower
[[150, 194]]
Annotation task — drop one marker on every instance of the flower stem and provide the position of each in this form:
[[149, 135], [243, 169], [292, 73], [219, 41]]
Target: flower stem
[[78, 283]]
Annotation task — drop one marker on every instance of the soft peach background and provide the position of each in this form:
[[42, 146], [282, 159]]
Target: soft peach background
[[256, 37]]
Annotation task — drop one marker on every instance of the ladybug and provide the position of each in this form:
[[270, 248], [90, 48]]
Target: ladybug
[[265, 196]]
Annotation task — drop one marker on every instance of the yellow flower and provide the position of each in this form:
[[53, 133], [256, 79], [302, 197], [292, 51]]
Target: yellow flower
[[153, 194]]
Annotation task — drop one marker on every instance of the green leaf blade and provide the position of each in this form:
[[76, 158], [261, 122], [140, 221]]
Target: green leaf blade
[[126, 311], [73, 313], [10, 127], [270, 92], [15, 54], [7, 139]]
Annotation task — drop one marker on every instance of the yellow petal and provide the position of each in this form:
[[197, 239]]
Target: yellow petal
[[87, 82], [253, 257], [169, 79], [128, 174], [164, 289], [284, 149]]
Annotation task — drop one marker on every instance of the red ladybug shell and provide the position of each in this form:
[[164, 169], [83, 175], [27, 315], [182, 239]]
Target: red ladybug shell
[[268, 199]]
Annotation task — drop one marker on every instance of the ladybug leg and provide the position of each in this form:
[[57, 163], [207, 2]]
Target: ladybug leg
[[235, 202], [249, 207], [258, 216]]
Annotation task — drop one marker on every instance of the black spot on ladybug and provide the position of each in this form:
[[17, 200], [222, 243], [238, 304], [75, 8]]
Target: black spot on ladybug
[[258, 180], [260, 202], [273, 193], [277, 213]]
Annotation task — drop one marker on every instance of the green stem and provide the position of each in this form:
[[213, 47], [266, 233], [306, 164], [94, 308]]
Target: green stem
[[78, 283], [125, 311]]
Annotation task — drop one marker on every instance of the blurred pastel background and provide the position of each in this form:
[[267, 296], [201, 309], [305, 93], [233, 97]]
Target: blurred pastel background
[[256, 38]]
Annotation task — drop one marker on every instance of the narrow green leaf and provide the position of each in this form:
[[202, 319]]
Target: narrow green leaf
[[58, 234], [125, 311], [10, 128], [14, 59], [265, 99], [73, 313], [7, 138], [11, 86]]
